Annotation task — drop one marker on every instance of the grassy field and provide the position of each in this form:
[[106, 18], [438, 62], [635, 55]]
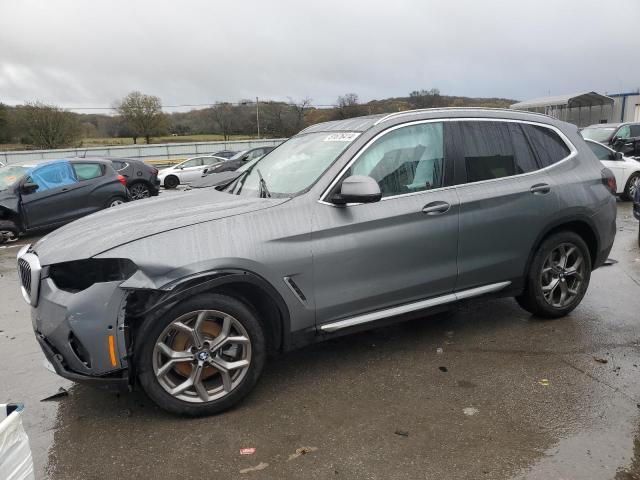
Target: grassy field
[[109, 142]]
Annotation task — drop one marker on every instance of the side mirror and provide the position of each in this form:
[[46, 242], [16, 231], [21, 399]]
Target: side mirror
[[617, 155], [357, 189], [28, 187]]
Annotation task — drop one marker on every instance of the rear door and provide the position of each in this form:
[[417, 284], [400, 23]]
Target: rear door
[[399, 250], [54, 202], [506, 197]]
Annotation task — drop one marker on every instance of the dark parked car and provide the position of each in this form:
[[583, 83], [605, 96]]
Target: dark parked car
[[47, 195], [238, 160], [622, 137], [636, 211], [343, 227], [224, 153], [142, 179]]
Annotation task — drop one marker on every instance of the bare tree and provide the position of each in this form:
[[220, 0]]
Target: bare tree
[[348, 106], [48, 126], [223, 117], [300, 108], [426, 98], [143, 115]]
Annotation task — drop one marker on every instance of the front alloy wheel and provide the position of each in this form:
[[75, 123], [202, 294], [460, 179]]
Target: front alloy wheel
[[202, 356]]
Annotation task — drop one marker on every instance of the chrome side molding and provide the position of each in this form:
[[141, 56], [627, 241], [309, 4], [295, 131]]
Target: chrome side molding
[[412, 307]]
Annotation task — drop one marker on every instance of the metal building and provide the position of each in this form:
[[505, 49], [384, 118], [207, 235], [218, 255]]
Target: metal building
[[626, 107], [581, 109]]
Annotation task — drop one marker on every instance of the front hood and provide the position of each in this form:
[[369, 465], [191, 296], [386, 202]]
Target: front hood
[[116, 226]]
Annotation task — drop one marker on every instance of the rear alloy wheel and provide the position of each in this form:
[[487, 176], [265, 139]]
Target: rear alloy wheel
[[8, 232], [632, 186], [558, 277], [171, 182], [139, 191], [202, 357]]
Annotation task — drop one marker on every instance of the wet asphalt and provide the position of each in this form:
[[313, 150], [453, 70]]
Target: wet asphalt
[[507, 396]]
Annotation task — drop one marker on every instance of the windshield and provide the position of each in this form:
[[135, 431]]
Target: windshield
[[11, 174], [598, 134], [292, 167]]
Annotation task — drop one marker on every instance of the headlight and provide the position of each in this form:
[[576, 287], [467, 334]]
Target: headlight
[[81, 274]]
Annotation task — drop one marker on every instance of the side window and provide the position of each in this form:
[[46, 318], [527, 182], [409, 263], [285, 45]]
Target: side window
[[547, 144], [191, 163], [623, 132], [635, 130], [405, 160], [599, 151], [495, 150], [53, 176], [88, 171]]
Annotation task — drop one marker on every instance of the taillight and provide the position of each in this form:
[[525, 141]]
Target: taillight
[[154, 171], [122, 180], [609, 180]]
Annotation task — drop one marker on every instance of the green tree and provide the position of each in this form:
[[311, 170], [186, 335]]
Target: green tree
[[143, 115], [48, 126]]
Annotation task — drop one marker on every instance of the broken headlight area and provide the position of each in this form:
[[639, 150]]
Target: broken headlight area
[[81, 274]]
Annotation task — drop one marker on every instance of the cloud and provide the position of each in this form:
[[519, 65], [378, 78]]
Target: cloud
[[91, 53]]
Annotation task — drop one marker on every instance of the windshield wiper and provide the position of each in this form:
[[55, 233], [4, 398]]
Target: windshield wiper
[[264, 191]]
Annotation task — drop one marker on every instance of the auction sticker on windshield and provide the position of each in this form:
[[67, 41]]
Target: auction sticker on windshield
[[342, 137]]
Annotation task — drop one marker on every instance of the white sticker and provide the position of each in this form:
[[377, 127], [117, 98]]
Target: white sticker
[[342, 137]]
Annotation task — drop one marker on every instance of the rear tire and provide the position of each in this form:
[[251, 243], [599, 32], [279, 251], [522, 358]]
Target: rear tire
[[554, 287], [633, 183], [139, 191], [171, 182], [9, 231], [212, 389]]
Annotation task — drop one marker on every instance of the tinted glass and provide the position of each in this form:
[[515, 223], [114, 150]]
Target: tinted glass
[[193, 162], [87, 171], [406, 160], [548, 145], [599, 151], [53, 176], [635, 130], [495, 150]]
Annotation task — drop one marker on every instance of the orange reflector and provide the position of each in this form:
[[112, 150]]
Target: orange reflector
[[112, 351]]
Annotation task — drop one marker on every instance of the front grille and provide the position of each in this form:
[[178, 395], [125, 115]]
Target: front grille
[[25, 275]]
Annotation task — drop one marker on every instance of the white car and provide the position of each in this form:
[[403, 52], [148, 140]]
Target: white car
[[625, 169], [186, 171]]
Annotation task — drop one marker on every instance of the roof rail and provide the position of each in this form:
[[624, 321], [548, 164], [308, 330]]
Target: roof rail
[[422, 110]]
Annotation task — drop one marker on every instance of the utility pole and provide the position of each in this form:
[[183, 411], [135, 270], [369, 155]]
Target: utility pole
[[258, 116]]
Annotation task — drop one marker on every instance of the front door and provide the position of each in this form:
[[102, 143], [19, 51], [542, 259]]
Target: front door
[[399, 250], [53, 202]]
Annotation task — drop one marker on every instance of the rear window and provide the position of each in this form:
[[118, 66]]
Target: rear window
[[548, 145], [87, 171]]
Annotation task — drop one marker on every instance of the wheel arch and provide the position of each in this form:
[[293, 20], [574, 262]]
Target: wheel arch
[[580, 225], [249, 287]]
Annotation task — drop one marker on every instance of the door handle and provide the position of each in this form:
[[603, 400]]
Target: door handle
[[540, 188], [65, 190], [436, 208]]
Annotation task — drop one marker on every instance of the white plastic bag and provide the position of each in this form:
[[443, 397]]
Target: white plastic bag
[[15, 454]]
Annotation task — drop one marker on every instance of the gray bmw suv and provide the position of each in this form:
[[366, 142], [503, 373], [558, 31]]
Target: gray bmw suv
[[346, 225]]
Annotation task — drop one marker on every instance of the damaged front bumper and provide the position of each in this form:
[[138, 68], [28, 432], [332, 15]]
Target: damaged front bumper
[[82, 333]]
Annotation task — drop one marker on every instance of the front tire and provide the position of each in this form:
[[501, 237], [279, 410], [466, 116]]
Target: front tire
[[201, 357], [9, 231], [558, 277], [633, 183]]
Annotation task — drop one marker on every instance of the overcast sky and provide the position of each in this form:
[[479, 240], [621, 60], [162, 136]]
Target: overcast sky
[[91, 52]]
